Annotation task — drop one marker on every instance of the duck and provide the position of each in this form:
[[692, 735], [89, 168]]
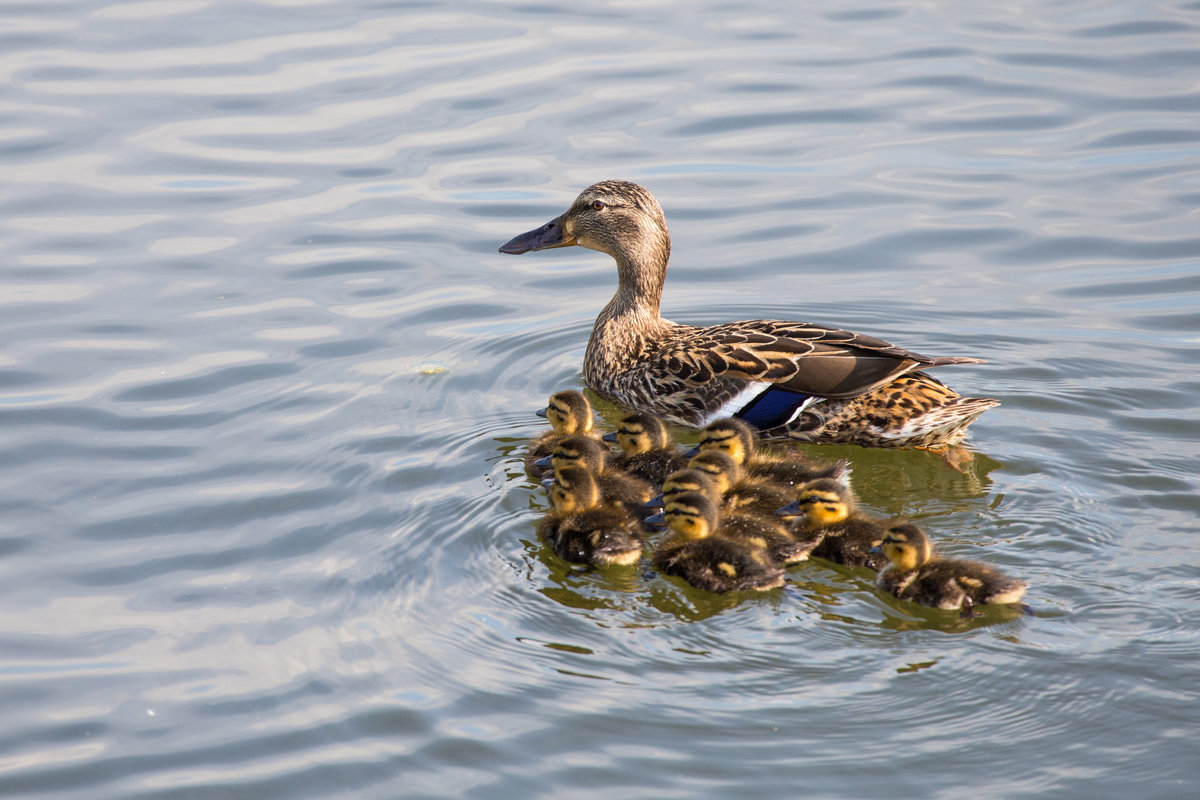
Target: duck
[[646, 448], [697, 552], [915, 573], [748, 529], [687, 479], [738, 491], [615, 485], [568, 412], [582, 528], [831, 527], [741, 442], [788, 379]]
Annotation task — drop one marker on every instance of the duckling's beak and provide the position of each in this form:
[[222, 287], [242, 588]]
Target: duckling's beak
[[692, 452], [544, 461], [541, 412], [610, 437], [653, 502], [877, 549], [552, 234], [792, 509], [656, 519], [547, 482]]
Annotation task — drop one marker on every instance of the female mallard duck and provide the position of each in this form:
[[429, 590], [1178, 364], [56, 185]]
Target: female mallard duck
[[831, 527], [580, 527], [697, 552], [615, 485], [646, 447], [915, 573], [737, 439], [795, 379], [700, 509], [568, 412]]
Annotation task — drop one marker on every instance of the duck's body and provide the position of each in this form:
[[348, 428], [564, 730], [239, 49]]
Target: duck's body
[[831, 527], [646, 448], [915, 573], [701, 552], [796, 379], [568, 412], [584, 529]]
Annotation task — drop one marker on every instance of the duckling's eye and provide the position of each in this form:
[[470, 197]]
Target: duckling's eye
[[597, 205]]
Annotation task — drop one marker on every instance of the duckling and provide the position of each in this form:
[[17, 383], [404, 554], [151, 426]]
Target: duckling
[[741, 442], [697, 552], [748, 529], [831, 527], [685, 480], [915, 573], [646, 447], [568, 412], [582, 528], [615, 485], [738, 491]]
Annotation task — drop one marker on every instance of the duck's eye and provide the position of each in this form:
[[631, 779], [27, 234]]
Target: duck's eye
[[597, 205]]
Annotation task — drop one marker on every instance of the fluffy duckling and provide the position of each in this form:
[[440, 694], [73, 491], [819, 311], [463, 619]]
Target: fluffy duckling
[[741, 442], [915, 573], [739, 491], [615, 485], [568, 412], [685, 480], [646, 447], [749, 529], [831, 527], [699, 554], [582, 528]]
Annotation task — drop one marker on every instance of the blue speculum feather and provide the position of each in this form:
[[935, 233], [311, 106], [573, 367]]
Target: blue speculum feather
[[772, 408]]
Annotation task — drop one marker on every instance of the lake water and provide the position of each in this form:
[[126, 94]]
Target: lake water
[[266, 382]]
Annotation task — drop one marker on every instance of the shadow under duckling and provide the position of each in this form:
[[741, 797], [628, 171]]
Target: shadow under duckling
[[568, 412], [646, 448], [756, 531], [582, 528], [831, 527], [784, 465], [697, 552], [915, 573]]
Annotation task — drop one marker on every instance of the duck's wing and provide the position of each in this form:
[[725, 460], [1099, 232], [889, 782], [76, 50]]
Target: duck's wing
[[799, 356]]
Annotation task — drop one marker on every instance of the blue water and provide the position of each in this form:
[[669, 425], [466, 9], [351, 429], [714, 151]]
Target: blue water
[[266, 383]]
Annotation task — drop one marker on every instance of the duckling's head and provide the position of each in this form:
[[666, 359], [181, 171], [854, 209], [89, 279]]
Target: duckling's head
[[579, 450], [719, 466], [569, 412], [688, 480], [825, 501], [691, 515], [641, 433], [906, 546], [615, 217], [574, 490], [730, 436]]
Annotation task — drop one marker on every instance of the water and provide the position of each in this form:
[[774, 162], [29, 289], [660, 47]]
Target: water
[[266, 383]]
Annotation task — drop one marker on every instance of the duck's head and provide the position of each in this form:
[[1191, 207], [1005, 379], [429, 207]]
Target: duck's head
[[568, 412], [581, 451], [906, 546], [688, 480], [640, 432], [730, 436], [719, 466], [825, 501], [615, 217], [691, 515], [574, 490]]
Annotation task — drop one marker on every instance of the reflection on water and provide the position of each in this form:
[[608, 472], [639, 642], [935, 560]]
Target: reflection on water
[[265, 387]]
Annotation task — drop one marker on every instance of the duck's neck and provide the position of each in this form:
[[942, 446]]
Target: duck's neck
[[641, 271]]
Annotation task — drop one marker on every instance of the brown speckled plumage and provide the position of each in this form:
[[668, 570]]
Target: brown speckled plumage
[[867, 391]]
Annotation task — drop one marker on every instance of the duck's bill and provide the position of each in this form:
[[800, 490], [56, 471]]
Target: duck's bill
[[552, 234]]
